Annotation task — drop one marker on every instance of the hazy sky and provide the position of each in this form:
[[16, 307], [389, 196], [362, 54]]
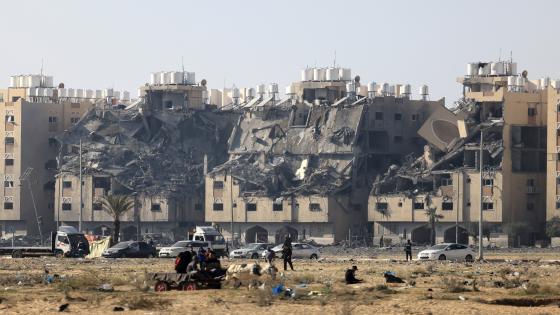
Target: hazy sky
[[99, 44]]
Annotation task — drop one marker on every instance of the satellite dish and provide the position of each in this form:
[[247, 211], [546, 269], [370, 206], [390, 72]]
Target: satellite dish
[[203, 82], [357, 79], [524, 74], [61, 85]]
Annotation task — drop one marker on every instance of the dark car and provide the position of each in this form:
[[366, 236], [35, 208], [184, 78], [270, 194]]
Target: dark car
[[130, 249]]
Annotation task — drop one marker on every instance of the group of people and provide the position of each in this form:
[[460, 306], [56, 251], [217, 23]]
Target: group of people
[[204, 260], [286, 253]]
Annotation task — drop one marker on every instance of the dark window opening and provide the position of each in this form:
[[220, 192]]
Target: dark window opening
[[8, 183], [314, 207], [418, 206], [531, 111], [250, 207], [197, 207], [414, 117], [52, 119], [97, 206], [447, 206], [400, 204], [102, 182], [8, 205], [398, 116], [488, 182], [218, 185], [378, 140], [381, 206], [67, 184], [156, 207], [9, 140], [10, 118], [487, 206], [168, 104], [378, 115], [9, 162], [277, 207], [66, 206], [397, 139], [218, 207]]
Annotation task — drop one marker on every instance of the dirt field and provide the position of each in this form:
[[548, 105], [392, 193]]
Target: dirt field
[[433, 287]]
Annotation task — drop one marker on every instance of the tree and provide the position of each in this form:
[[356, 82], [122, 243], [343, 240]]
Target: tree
[[433, 217], [116, 206], [553, 227]]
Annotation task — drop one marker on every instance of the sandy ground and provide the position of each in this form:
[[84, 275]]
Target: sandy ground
[[433, 287]]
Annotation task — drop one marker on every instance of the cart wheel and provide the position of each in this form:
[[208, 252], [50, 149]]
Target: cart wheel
[[161, 286], [190, 286]]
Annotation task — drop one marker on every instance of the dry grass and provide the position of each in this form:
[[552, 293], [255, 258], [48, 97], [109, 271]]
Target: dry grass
[[452, 285], [144, 302], [305, 278]]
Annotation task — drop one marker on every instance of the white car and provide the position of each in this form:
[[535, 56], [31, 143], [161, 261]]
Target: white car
[[299, 250], [181, 246], [447, 251], [252, 250]]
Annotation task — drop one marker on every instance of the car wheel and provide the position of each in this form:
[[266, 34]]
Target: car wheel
[[313, 256], [161, 286], [255, 256], [189, 286], [441, 257], [58, 254], [469, 258]]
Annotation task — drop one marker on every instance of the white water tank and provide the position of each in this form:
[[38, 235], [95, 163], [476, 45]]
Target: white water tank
[[345, 74], [190, 78], [511, 68], [290, 89], [307, 74], [69, 92], [332, 74], [555, 83], [235, 93], [162, 77], [497, 68], [520, 81], [154, 78], [385, 89], [88, 93], [260, 89], [319, 74], [175, 77], [511, 82], [21, 81], [109, 92], [12, 81], [30, 91], [273, 88], [350, 88], [61, 92], [371, 87], [472, 68], [250, 92], [424, 90], [544, 82], [80, 93], [484, 70], [98, 94], [126, 95], [48, 92]]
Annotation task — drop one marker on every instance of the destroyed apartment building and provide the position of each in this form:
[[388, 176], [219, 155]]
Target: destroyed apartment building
[[499, 127], [156, 150], [304, 165]]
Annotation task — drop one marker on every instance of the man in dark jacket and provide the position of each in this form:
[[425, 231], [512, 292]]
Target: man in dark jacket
[[287, 256], [182, 261], [408, 250], [350, 276]]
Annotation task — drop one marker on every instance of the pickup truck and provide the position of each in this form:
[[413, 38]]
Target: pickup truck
[[66, 242]]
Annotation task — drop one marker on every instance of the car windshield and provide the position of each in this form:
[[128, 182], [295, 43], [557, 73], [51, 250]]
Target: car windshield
[[217, 239], [252, 246], [441, 246], [122, 245], [181, 244]]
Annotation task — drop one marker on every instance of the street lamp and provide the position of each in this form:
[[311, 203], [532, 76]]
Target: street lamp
[[484, 126]]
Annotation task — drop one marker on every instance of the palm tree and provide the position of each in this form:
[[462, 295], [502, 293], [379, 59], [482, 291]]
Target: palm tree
[[433, 217], [116, 206]]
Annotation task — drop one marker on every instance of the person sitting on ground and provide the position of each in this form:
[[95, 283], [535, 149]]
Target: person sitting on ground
[[350, 276], [182, 261]]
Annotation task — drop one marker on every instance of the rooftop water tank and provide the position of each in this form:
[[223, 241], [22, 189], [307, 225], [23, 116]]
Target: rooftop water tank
[[544, 82], [88, 93], [260, 89], [250, 92], [79, 93], [70, 92], [332, 74], [30, 91], [190, 78], [126, 95], [371, 86], [424, 90], [98, 94], [62, 92], [307, 74], [385, 89], [472, 68], [273, 88], [162, 77], [319, 74], [345, 74], [154, 78], [484, 69], [235, 92]]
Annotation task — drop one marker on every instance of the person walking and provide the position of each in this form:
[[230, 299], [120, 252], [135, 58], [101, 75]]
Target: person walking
[[408, 250], [287, 252]]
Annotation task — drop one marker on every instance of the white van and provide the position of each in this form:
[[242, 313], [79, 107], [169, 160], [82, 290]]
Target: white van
[[214, 238]]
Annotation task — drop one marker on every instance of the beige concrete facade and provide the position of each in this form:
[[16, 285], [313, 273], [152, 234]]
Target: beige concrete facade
[[29, 129], [553, 151]]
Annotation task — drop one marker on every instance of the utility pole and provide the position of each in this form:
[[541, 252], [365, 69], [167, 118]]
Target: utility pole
[[481, 167], [81, 186], [231, 206]]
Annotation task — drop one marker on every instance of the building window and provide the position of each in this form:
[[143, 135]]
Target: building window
[[414, 117], [218, 184], [381, 206], [218, 207], [530, 183], [10, 119], [557, 204], [418, 206], [250, 207], [487, 206], [378, 115], [277, 206], [446, 182], [398, 116], [52, 119], [52, 142], [66, 206], [9, 140], [488, 182], [74, 120], [397, 139], [197, 207], [530, 206], [314, 207], [97, 206], [400, 204], [156, 207], [8, 183], [66, 184], [447, 205], [9, 162], [8, 205], [531, 111]]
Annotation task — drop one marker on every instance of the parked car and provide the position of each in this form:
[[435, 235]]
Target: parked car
[[181, 246], [252, 250], [447, 251], [299, 250], [130, 249]]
